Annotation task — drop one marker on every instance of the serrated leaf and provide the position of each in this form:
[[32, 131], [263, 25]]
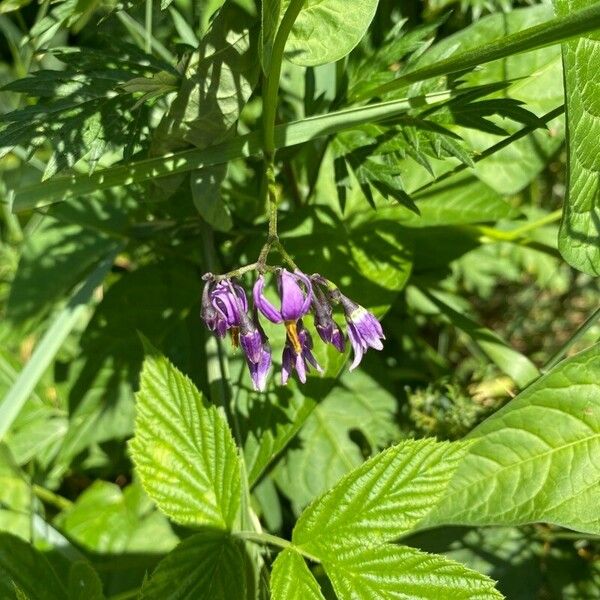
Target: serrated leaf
[[26, 572], [327, 30], [291, 579], [382, 499], [390, 572], [183, 449], [534, 458], [579, 237], [326, 451], [210, 565]]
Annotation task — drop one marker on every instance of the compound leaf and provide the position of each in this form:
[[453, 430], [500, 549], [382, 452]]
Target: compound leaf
[[382, 499], [183, 449]]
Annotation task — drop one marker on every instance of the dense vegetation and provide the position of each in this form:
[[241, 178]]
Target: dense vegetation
[[299, 299]]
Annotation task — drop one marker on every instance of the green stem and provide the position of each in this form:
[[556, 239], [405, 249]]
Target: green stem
[[51, 498], [148, 27], [572, 341], [514, 234], [273, 540]]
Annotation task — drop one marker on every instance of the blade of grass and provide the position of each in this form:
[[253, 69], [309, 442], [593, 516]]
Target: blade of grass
[[552, 32], [288, 134], [49, 345]]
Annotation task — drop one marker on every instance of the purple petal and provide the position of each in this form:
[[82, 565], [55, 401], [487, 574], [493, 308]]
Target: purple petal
[[287, 364], [252, 345], [357, 346], [301, 368], [260, 302], [295, 302], [259, 370], [338, 339]]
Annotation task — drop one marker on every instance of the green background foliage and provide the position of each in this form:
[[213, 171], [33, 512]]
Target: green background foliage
[[437, 161]]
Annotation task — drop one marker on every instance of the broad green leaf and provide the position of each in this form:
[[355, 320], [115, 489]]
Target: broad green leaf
[[183, 449], [107, 520], [291, 579], [15, 497], [327, 30], [382, 499], [388, 572], [210, 565], [325, 450], [84, 583], [534, 459], [579, 238], [24, 568]]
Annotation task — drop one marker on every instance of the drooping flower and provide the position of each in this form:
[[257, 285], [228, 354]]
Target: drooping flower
[[325, 325], [298, 360], [258, 357], [364, 330], [229, 300], [295, 303]]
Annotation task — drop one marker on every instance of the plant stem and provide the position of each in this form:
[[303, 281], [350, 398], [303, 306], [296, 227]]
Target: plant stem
[[513, 234], [50, 497], [148, 27], [273, 540], [572, 341]]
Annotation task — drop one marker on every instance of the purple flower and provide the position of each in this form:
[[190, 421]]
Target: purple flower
[[259, 368], [208, 313], [295, 302], [298, 359], [326, 327], [364, 330], [230, 303]]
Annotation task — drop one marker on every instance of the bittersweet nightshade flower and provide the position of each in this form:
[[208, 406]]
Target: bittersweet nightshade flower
[[295, 303], [364, 330], [325, 325], [259, 368], [229, 300], [298, 360]]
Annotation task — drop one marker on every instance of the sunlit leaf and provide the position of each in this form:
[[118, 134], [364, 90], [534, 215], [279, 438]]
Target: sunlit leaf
[[292, 580]]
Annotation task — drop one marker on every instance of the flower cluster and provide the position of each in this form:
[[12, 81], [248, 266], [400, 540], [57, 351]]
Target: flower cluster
[[225, 309]]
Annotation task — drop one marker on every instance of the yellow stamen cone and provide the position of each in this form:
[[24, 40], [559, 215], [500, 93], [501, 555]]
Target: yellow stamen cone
[[292, 333]]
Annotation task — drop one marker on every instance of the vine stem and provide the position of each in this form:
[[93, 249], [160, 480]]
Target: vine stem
[[273, 540], [270, 90]]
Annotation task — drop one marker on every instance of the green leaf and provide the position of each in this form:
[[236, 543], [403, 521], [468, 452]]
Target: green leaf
[[548, 33], [25, 569], [382, 499], [326, 451], [15, 497], [211, 565], [183, 449], [291, 579], [530, 79], [388, 572], [534, 458], [108, 520], [327, 30], [84, 583], [579, 238]]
